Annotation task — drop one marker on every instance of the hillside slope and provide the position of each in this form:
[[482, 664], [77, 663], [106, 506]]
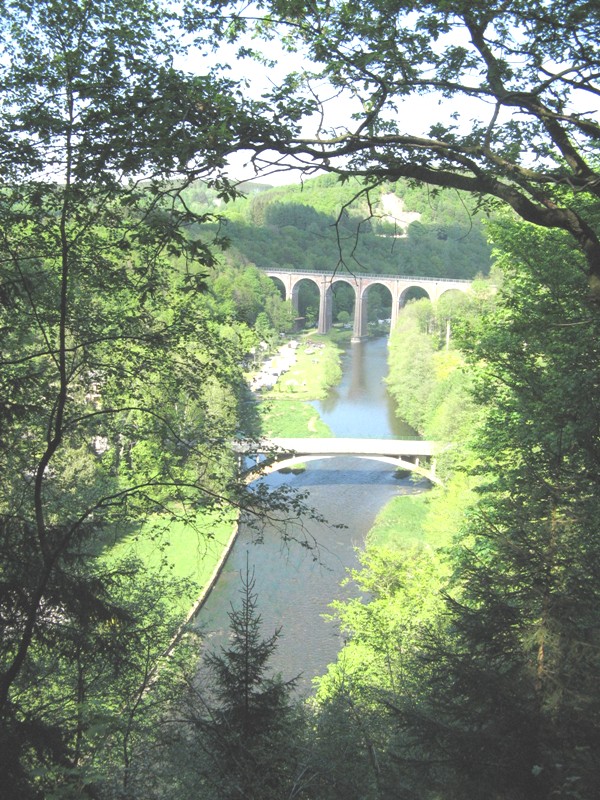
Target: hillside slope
[[325, 224]]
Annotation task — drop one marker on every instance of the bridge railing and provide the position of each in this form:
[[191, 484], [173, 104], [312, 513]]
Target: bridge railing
[[278, 446], [388, 276]]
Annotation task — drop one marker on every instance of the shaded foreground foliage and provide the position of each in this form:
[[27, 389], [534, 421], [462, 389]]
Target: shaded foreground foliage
[[120, 381], [241, 731], [470, 670]]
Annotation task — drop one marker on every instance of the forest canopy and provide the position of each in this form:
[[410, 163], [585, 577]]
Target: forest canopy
[[321, 225]]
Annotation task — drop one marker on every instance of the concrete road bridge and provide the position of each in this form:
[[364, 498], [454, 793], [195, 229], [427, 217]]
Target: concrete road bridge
[[398, 285], [277, 453]]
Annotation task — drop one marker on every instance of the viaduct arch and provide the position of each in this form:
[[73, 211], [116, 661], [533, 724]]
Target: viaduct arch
[[398, 285]]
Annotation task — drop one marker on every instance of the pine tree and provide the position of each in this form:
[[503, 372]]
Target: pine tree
[[243, 729]]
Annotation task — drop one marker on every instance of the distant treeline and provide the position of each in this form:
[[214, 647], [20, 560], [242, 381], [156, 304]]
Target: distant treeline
[[325, 224]]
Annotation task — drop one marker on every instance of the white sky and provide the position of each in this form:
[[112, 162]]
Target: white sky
[[421, 112]]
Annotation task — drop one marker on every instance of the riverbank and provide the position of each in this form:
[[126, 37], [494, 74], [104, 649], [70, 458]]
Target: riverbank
[[284, 407], [400, 523], [296, 586], [196, 554], [189, 553], [427, 518]]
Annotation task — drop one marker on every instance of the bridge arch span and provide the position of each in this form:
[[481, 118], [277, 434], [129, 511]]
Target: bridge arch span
[[413, 292], [450, 290], [365, 293], [278, 453], [341, 285], [280, 285], [264, 468], [397, 284], [294, 290]]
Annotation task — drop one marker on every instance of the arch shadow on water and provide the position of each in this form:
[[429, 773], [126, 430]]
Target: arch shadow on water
[[323, 477]]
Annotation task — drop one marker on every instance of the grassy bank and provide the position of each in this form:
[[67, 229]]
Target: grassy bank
[[430, 518], [292, 418], [188, 553], [400, 522], [317, 369], [285, 409]]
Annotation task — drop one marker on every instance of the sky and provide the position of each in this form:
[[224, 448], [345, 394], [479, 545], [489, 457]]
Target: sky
[[260, 79], [421, 112]]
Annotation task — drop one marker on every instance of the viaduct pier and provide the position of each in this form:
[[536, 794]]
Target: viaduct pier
[[397, 285]]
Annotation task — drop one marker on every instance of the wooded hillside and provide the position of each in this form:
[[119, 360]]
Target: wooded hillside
[[403, 229]]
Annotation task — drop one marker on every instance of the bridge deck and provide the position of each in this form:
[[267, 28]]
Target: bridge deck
[[352, 277], [341, 446]]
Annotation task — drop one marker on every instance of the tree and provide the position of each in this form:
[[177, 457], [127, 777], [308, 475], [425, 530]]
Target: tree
[[243, 728], [384, 636], [507, 705], [110, 358], [520, 79]]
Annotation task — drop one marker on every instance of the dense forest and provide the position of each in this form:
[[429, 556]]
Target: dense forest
[[324, 225], [132, 304]]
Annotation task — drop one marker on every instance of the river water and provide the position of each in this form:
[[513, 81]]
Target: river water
[[360, 404], [294, 584]]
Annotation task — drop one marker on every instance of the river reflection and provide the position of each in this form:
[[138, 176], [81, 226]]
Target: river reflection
[[360, 404], [295, 585]]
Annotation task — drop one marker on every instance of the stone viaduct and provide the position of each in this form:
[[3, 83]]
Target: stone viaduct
[[398, 285]]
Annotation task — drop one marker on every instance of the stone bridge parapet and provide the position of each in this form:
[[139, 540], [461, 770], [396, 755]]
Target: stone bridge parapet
[[287, 452]]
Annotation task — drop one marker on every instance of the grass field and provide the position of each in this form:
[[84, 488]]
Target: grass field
[[285, 410], [400, 522], [187, 552], [292, 418], [316, 370]]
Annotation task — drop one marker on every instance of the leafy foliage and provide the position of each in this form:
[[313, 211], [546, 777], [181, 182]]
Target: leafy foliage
[[530, 566], [495, 696], [428, 377], [514, 83], [120, 384], [384, 630]]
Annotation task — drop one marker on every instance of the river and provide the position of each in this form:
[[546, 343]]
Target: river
[[295, 585]]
